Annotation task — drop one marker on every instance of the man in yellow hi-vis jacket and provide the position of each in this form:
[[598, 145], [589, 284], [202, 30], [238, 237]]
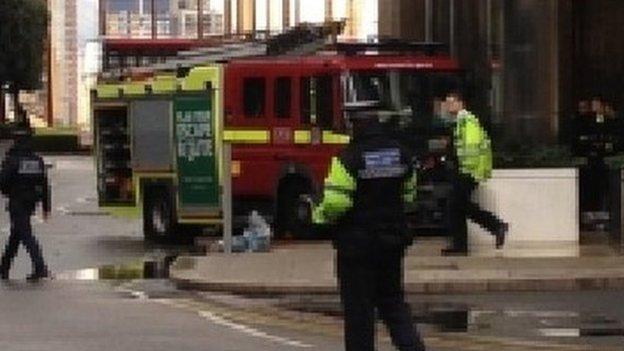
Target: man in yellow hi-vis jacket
[[365, 197], [469, 162]]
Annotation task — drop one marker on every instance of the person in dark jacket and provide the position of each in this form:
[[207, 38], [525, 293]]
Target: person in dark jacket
[[365, 197], [24, 181]]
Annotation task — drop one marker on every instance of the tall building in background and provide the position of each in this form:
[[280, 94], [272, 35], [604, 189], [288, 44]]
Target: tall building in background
[[64, 62]]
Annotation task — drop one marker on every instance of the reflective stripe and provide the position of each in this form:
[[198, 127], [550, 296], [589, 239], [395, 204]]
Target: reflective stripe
[[108, 91], [330, 137], [198, 77], [134, 89], [303, 137], [247, 136], [164, 85], [264, 137]]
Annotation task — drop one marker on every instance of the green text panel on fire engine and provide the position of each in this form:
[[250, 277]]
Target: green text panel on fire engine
[[198, 180]]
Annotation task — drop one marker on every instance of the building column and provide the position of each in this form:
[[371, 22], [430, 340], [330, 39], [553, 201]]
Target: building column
[[154, 20], [531, 69], [472, 51], [402, 19], [200, 19], [329, 10], [227, 17], [268, 16], [49, 110], [102, 15], [246, 21], [297, 12], [2, 106], [285, 14]]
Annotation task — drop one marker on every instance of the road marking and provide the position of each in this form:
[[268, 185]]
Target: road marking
[[560, 332], [218, 320]]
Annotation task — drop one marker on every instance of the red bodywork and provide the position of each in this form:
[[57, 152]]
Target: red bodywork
[[262, 166]]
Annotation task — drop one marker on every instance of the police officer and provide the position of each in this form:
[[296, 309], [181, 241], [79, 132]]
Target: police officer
[[365, 197], [469, 162], [23, 180]]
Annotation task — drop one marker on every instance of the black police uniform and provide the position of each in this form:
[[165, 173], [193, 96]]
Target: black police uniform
[[371, 241], [23, 180]]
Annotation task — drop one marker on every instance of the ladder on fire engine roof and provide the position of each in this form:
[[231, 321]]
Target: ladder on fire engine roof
[[304, 39]]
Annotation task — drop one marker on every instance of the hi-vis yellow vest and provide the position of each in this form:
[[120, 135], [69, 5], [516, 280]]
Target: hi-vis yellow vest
[[473, 147]]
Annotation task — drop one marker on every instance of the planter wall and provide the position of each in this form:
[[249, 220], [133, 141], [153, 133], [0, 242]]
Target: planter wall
[[541, 206]]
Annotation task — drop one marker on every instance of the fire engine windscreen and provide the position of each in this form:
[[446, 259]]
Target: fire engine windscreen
[[402, 97]]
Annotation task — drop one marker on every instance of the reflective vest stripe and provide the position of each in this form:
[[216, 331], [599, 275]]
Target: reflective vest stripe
[[247, 136], [264, 137]]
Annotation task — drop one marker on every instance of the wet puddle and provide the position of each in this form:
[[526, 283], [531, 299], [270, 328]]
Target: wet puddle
[[131, 271], [457, 318], [155, 265]]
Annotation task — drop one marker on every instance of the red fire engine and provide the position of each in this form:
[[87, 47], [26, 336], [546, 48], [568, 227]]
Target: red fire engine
[[285, 117]]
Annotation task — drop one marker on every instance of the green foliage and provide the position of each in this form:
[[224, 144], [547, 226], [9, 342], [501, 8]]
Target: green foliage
[[23, 32], [531, 155]]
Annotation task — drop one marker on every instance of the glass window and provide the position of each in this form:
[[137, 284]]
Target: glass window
[[128, 18], [283, 97], [213, 17], [308, 95], [254, 92], [317, 101], [325, 101]]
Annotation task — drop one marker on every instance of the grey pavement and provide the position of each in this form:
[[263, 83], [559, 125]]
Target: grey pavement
[[310, 268], [78, 312], [98, 300], [82, 316], [78, 234]]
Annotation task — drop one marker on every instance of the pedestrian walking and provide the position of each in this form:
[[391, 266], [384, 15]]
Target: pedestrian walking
[[23, 180], [469, 162], [365, 197]]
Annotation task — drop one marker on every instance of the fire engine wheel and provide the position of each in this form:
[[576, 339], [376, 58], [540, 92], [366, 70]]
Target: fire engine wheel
[[292, 212], [158, 216]]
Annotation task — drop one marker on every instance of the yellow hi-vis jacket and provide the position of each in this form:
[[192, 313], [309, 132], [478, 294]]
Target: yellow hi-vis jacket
[[473, 147]]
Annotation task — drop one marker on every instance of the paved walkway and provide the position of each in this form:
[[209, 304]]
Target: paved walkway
[[310, 268]]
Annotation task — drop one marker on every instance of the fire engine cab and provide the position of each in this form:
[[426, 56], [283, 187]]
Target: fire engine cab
[[285, 117]]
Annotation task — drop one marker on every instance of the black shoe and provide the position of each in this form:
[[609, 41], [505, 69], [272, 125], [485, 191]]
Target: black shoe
[[4, 274], [37, 275], [500, 235]]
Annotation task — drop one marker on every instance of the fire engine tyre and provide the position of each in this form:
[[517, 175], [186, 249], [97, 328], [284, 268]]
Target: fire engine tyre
[[159, 223], [292, 217]]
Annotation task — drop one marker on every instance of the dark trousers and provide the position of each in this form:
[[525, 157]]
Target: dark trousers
[[375, 281], [21, 232], [461, 207], [594, 185]]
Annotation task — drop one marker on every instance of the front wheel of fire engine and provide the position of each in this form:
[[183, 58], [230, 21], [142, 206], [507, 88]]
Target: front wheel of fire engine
[[158, 216], [292, 210]]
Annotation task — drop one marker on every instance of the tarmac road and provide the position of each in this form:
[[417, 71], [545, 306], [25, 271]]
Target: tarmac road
[[81, 311]]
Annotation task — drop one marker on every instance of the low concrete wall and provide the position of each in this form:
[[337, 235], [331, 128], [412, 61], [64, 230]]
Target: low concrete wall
[[541, 205]]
